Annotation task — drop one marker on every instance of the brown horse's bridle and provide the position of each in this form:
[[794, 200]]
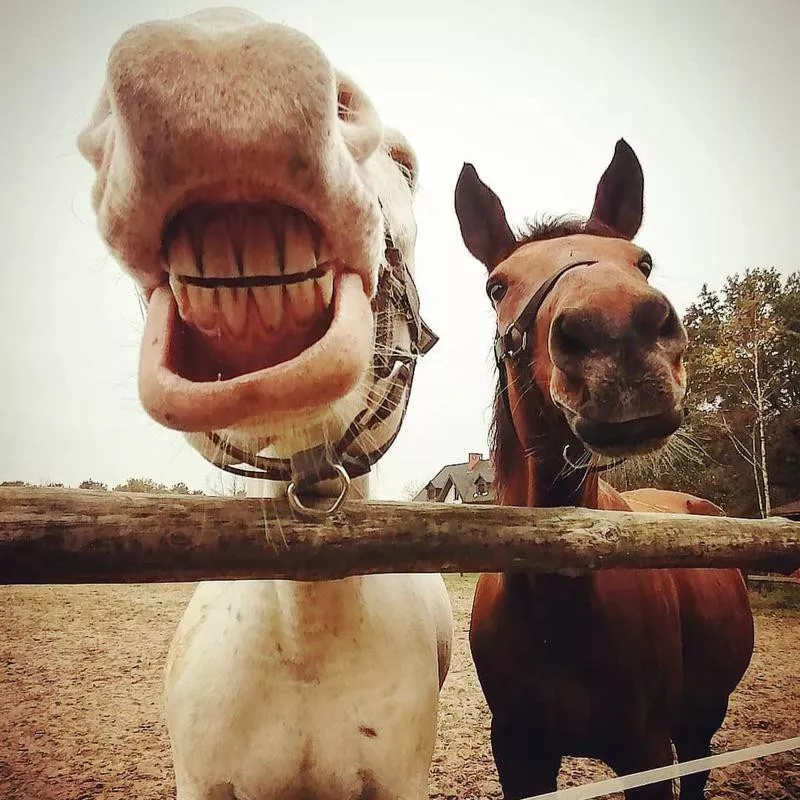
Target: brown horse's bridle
[[514, 344], [393, 374]]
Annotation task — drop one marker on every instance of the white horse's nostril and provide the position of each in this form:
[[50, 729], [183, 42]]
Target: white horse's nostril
[[360, 125]]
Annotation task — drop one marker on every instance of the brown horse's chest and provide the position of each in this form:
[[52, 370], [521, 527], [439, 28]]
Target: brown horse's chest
[[582, 656]]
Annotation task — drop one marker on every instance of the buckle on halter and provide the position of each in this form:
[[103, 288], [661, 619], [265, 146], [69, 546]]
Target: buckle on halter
[[427, 338], [511, 344]]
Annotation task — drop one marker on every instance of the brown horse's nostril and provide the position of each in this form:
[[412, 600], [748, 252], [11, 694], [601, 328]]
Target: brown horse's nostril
[[654, 318], [574, 333], [671, 326]]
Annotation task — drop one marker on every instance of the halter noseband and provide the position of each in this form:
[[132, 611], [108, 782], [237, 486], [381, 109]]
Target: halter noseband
[[515, 343], [393, 367]]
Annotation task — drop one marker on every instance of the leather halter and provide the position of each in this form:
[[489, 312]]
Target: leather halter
[[515, 343], [393, 374]]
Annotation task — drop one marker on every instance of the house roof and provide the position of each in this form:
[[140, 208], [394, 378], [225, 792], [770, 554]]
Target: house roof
[[788, 510], [464, 479]]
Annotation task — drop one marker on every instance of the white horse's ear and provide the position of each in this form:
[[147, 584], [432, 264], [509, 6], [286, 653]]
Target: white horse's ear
[[482, 218], [619, 200], [403, 155]]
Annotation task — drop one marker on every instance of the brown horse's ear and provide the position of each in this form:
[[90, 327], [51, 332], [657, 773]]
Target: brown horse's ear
[[482, 219], [619, 201]]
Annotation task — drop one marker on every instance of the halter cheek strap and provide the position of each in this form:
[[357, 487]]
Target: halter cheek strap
[[512, 344]]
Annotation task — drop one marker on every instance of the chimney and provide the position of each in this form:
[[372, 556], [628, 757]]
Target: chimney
[[473, 460]]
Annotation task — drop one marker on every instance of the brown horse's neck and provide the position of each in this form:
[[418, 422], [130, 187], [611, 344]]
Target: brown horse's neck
[[544, 482], [540, 477], [535, 474]]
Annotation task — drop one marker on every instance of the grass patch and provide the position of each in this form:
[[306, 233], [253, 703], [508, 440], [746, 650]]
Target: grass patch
[[460, 581], [775, 597]]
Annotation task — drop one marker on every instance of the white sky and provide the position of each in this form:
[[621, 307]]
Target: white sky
[[534, 93]]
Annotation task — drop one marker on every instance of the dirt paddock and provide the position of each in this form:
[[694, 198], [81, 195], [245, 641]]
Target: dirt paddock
[[80, 701]]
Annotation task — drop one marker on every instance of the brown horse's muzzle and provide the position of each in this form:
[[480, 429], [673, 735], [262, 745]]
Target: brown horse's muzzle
[[617, 371]]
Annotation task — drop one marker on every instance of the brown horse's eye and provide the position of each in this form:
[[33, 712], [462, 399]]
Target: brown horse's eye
[[645, 265], [496, 291]]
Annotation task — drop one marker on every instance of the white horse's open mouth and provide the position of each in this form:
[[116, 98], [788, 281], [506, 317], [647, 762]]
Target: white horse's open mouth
[[252, 192], [253, 305]]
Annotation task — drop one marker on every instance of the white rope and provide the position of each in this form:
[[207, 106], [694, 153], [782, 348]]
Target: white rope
[[606, 787]]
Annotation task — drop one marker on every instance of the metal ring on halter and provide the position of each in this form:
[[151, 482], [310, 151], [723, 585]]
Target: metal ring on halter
[[596, 468], [320, 513], [568, 461]]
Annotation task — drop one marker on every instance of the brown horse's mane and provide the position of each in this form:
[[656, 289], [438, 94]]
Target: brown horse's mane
[[547, 227], [503, 441]]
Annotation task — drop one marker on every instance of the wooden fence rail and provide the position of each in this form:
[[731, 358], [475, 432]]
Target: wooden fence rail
[[76, 536]]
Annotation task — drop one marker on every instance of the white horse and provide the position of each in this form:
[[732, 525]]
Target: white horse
[[266, 217]]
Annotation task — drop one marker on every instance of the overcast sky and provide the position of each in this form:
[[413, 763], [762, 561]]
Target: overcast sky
[[535, 94]]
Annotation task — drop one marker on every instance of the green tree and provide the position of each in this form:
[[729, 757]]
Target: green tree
[[743, 364], [149, 486], [411, 489], [145, 485], [94, 485], [226, 484]]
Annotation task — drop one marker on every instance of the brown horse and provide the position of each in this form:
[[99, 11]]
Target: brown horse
[[615, 664]]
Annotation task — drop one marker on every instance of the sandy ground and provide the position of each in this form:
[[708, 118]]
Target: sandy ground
[[80, 704]]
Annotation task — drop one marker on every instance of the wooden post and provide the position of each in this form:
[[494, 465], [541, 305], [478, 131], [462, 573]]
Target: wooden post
[[77, 536]]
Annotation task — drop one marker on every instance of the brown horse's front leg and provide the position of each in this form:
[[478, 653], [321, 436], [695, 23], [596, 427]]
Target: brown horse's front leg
[[525, 765], [698, 724], [647, 752]]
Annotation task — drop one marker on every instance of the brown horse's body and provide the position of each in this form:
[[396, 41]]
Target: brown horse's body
[[612, 665], [616, 664]]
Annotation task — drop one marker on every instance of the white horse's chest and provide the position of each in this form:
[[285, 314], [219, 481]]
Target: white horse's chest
[[328, 697]]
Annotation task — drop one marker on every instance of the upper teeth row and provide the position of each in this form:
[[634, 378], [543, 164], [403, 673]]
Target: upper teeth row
[[244, 242]]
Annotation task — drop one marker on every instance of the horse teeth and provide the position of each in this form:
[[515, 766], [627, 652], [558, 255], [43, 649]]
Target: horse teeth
[[181, 295], [325, 254], [181, 256], [299, 257], [260, 257], [218, 256], [269, 301], [325, 284], [233, 303], [245, 243], [196, 306], [219, 260]]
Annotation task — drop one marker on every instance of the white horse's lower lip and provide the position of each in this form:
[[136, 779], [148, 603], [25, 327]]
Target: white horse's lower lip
[[318, 375]]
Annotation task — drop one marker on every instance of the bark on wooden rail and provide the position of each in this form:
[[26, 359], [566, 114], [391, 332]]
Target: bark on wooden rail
[[75, 536]]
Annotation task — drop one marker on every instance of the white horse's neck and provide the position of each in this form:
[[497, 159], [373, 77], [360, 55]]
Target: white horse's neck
[[317, 606]]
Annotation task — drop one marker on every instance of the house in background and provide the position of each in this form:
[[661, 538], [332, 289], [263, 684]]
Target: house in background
[[790, 511], [470, 482]]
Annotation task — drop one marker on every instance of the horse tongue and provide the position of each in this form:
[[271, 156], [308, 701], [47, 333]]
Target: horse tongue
[[177, 384]]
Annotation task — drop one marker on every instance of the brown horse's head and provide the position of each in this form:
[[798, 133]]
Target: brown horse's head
[[582, 337]]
